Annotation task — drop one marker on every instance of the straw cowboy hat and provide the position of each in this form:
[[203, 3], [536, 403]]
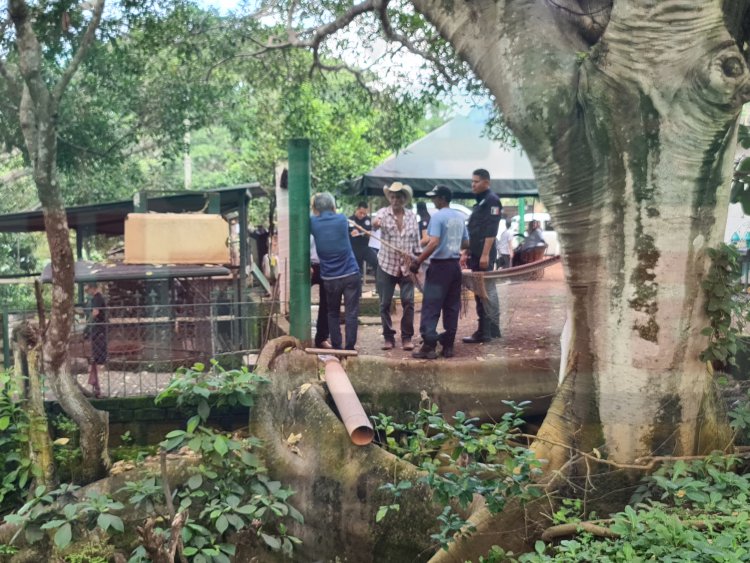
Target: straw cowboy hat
[[398, 187]]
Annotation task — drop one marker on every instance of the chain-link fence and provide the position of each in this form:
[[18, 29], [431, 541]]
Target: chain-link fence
[[145, 344]]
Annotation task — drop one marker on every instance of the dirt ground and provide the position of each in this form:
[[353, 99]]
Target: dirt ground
[[532, 314]]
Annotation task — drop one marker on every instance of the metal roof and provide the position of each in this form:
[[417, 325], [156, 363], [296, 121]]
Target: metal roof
[[109, 218], [87, 272]]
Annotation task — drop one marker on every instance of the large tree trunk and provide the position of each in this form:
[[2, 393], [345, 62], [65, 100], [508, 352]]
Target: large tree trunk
[[632, 143], [629, 119], [38, 118]]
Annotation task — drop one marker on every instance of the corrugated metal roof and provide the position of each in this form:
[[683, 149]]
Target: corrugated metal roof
[[109, 218]]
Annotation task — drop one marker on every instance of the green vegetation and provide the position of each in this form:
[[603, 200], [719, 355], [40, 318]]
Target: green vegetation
[[727, 306], [460, 459], [227, 492]]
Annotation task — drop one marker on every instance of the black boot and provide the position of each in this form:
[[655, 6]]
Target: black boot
[[495, 331], [477, 338], [426, 352], [447, 346]]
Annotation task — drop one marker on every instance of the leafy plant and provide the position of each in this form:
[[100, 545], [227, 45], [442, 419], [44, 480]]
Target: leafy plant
[[460, 459], [686, 511], [63, 514], [727, 312], [194, 386], [18, 468], [229, 491]]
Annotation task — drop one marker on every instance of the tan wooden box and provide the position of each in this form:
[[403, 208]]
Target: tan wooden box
[[176, 238]]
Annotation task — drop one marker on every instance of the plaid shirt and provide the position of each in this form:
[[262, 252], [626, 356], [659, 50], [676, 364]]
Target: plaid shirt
[[390, 261]]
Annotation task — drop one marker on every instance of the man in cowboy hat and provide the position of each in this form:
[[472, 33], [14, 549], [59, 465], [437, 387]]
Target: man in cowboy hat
[[400, 237]]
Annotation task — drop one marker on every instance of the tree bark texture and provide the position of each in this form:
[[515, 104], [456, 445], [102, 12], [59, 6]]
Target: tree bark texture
[[632, 141], [38, 118], [26, 353]]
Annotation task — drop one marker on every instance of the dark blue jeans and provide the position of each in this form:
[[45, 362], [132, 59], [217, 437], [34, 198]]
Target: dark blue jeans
[[386, 284], [442, 293], [349, 288]]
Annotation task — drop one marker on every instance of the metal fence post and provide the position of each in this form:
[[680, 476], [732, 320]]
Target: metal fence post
[[299, 238]]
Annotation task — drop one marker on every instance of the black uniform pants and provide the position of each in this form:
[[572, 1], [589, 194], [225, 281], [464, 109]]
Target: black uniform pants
[[442, 293]]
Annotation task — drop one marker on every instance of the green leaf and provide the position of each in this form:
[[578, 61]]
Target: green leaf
[[382, 511], [193, 424], [222, 524], [4, 422], [271, 541], [204, 410], [195, 481], [63, 536], [220, 445]]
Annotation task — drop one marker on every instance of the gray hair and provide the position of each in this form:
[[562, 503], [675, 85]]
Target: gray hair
[[323, 202]]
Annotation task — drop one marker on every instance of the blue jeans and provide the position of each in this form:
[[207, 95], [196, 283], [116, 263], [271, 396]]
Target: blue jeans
[[349, 288], [386, 284]]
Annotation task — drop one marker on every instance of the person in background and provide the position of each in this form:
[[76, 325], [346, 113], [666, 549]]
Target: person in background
[[96, 330], [321, 323], [423, 216], [363, 254], [442, 289], [534, 237], [338, 268], [400, 236], [505, 247], [483, 226]]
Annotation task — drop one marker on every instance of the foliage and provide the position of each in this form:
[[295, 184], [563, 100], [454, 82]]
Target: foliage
[[741, 179], [726, 306], [460, 459], [695, 511], [63, 514], [229, 490], [66, 448], [195, 386], [88, 552], [14, 458]]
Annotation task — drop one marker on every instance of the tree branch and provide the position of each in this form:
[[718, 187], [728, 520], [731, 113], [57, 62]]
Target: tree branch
[[13, 86], [390, 33], [88, 38], [29, 53]]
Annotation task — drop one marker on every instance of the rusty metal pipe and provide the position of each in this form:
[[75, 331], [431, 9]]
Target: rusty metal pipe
[[350, 409]]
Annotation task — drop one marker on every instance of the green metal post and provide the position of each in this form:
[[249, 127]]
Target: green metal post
[[299, 238], [80, 235], [6, 341], [521, 215]]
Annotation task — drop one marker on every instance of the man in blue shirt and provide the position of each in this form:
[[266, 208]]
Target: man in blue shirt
[[338, 268], [442, 287]]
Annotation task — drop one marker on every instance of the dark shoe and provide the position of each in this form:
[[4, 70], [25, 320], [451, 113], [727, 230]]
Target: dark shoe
[[323, 344], [448, 351], [388, 345], [426, 352], [476, 338], [495, 331], [407, 344]]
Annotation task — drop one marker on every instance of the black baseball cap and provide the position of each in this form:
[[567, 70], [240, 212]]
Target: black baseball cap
[[441, 191]]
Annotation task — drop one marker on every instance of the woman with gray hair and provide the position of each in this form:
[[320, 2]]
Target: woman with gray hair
[[338, 267]]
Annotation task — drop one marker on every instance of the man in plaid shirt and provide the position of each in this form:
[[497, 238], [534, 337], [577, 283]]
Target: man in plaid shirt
[[400, 238]]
